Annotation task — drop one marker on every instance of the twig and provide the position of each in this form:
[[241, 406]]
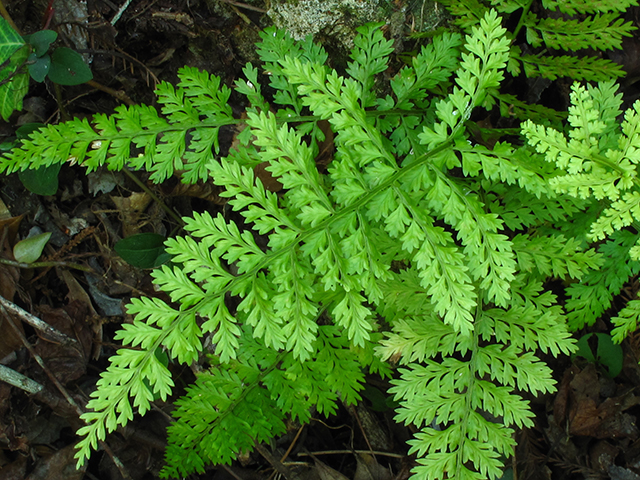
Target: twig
[[231, 472], [47, 264], [342, 452], [120, 11], [119, 95], [53, 334], [245, 6], [275, 463], [18, 380], [354, 412], [288, 452]]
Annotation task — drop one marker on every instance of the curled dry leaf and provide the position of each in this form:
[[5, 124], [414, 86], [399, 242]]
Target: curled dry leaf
[[131, 209]]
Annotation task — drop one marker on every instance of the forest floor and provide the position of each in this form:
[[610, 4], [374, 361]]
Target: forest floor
[[587, 429]]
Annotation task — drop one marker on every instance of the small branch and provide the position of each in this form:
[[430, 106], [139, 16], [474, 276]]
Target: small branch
[[119, 13], [344, 452], [18, 380], [117, 94], [11, 308], [47, 264], [245, 6]]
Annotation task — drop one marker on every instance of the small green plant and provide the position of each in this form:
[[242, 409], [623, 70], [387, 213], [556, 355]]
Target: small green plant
[[142, 250], [30, 249], [417, 246], [63, 65], [607, 354]]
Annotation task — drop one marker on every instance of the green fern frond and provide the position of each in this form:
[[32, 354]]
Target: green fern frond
[[137, 136], [590, 298], [572, 7], [579, 68], [602, 32], [626, 321]]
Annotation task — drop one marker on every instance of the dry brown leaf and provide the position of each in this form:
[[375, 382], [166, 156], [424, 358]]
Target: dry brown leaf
[[59, 465], [15, 470], [266, 177], [589, 415], [204, 191], [369, 469], [78, 295], [131, 208], [66, 363], [325, 472], [4, 211]]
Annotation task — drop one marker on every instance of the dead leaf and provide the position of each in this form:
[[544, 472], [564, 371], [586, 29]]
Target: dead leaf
[[204, 191], [77, 296], [372, 428], [270, 182], [590, 416], [131, 209], [620, 473], [59, 465], [9, 276], [66, 363], [369, 469], [325, 472], [15, 470]]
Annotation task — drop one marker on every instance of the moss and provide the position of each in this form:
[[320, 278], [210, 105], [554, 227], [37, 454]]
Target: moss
[[337, 18]]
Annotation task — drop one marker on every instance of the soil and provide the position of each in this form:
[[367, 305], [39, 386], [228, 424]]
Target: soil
[[585, 430]]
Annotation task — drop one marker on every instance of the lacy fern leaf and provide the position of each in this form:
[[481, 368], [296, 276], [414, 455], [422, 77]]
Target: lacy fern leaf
[[416, 245]]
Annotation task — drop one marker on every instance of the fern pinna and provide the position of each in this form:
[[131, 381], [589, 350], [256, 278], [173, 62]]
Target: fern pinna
[[416, 246], [550, 26]]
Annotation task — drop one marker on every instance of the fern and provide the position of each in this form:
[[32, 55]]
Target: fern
[[598, 160], [417, 245], [138, 137], [599, 27], [601, 32]]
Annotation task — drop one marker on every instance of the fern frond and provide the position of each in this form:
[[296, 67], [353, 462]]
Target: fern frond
[[466, 14], [626, 321], [137, 136], [579, 68], [572, 7], [444, 398], [369, 58], [590, 298], [432, 66], [554, 256], [511, 106], [135, 377], [601, 31], [238, 412]]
